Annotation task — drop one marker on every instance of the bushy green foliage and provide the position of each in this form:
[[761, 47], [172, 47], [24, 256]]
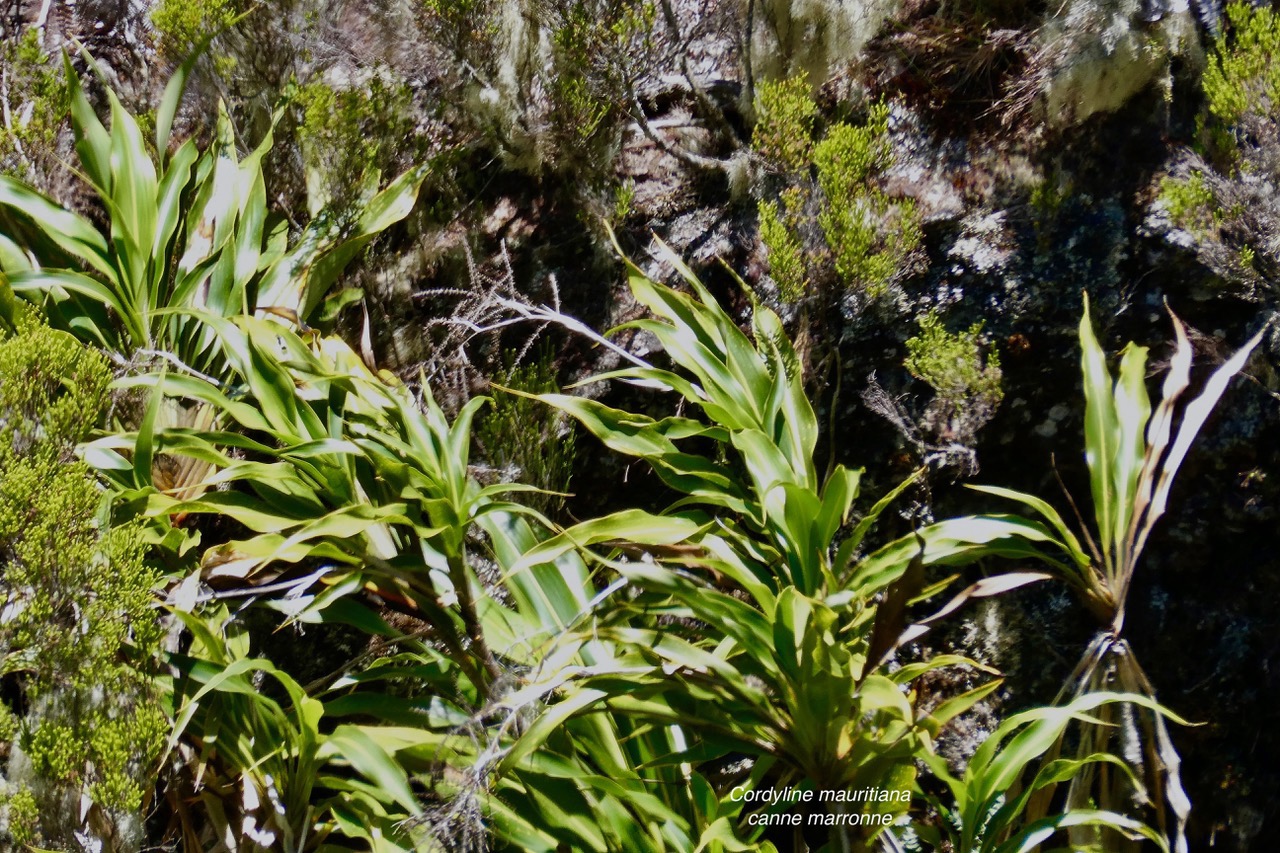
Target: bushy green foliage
[[575, 106], [586, 81], [464, 27], [869, 237], [83, 636], [181, 25], [53, 390], [24, 816], [546, 83], [37, 104], [785, 118], [787, 262], [349, 137], [1243, 75], [525, 440], [964, 373], [1226, 194], [1190, 203]]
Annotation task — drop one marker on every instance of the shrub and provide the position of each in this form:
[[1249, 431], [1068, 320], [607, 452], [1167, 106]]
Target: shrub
[[181, 25], [349, 138], [1226, 194], [964, 374], [1243, 75], [82, 636], [870, 238], [547, 82], [37, 106], [787, 261], [1190, 203], [785, 118]]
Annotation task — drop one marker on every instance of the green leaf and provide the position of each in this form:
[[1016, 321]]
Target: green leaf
[[1048, 513], [1133, 408], [68, 231], [93, 143], [633, 525], [172, 97], [1101, 433], [356, 746]]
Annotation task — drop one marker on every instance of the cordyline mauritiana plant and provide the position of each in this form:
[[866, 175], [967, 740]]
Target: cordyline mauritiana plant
[[188, 231], [750, 622], [348, 484], [188, 239], [1133, 455], [560, 723]]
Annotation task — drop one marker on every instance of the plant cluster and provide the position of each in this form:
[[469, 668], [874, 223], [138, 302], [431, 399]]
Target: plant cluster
[[349, 138], [605, 685], [189, 234], [523, 440], [786, 116], [34, 97], [1226, 194], [181, 27], [80, 639], [963, 373], [868, 239], [547, 82], [1133, 454]]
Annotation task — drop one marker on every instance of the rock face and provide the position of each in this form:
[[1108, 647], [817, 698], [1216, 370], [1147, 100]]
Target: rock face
[[817, 37], [1097, 54]]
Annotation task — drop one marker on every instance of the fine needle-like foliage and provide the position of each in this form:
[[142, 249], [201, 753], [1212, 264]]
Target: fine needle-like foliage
[[79, 718]]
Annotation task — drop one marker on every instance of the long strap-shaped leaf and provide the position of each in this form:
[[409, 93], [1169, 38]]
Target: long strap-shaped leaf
[[1192, 420], [1101, 434]]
